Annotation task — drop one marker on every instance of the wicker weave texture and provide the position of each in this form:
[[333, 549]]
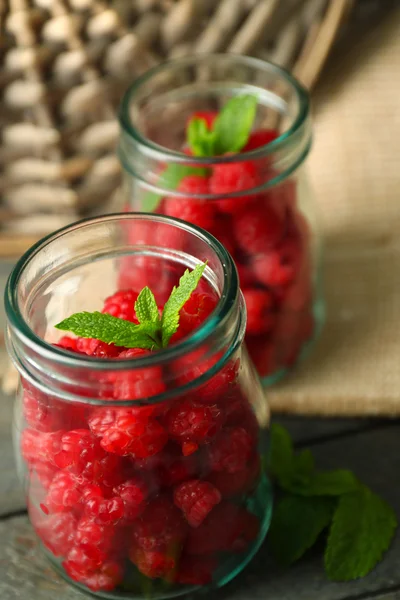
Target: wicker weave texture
[[64, 65]]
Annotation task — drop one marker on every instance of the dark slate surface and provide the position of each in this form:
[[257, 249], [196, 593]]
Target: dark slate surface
[[374, 456]]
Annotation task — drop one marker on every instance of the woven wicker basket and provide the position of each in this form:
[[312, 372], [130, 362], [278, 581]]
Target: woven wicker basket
[[64, 65]]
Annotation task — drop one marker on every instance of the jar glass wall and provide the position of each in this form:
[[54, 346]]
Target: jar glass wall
[[257, 203], [114, 449]]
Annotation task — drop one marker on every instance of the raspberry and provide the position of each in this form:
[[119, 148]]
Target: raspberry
[[42, 447], [44, 471], [161, 526], [106, 511], [133, 494], [68, 343], [208, 116], [78, 452], [138, 384], [196, 310], [106, 578], [231, 178], [130, 436], [191, 422], [231, 450], [64, 493], [196, 499], [83, 562], [260, 307], [246, 275], [176, 468], [122, 305], [94, 537], [259, 228], [227, 528], [197, 211], [93, 347], [263, 355], [218, 385], [195, 570], [279, 266], [240, 482], [39, 414], [101, 419], [260, 137], [152, 563], [57, 532]]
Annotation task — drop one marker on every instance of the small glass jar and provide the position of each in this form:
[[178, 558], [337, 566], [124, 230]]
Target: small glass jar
[[143, 475], [257, 203]]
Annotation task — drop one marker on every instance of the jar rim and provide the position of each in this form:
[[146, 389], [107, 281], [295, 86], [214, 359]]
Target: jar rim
[[158, 152], [228, 298]]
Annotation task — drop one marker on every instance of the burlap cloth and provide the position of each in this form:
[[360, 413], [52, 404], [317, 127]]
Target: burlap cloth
[[355, 170]]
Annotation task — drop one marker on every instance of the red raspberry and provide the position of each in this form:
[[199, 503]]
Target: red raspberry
[[263, 353], [259, 228], [260, 310], [130, 436], [220, 384], [134, 494], [68, 343], [81, 561], [232, 178], [39, 414], [138, 384], [106, 578], [78, 452], [279, 266], [231, 450], [175, 468], [196, 499], [208, 116], [57, 532], [227, 528], [191, 422], [42, 447], [197, 211], [64, 493], [195, 570], [246, 275], [160, 527], [152, 563], [195, 311], [101, 419], [94, 537], [122, 305], [93, 347], [44, 471], [241, 482], [106, 511], [260, 137]]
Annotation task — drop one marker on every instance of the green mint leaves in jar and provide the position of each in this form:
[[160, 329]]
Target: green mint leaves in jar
[[153, 332]]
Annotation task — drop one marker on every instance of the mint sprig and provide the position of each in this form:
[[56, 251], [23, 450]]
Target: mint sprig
[[153, 332], [230, 130], [361, 525]]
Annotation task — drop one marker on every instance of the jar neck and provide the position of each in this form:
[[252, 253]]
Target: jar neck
[[66, 260], [155, 109]]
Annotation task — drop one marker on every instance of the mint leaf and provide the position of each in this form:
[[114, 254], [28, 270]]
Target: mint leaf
[[146, 308], [296, 524], [362, 529], [280, 455], [201, 140], [233, 125], [169, 179], [179, 296], [329, 483], [111, 330]]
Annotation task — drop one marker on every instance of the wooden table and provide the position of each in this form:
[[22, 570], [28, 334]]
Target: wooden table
[[370, 447]]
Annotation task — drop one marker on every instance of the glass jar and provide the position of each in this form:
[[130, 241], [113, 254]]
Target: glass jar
[[143, 475], [257, 203]]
